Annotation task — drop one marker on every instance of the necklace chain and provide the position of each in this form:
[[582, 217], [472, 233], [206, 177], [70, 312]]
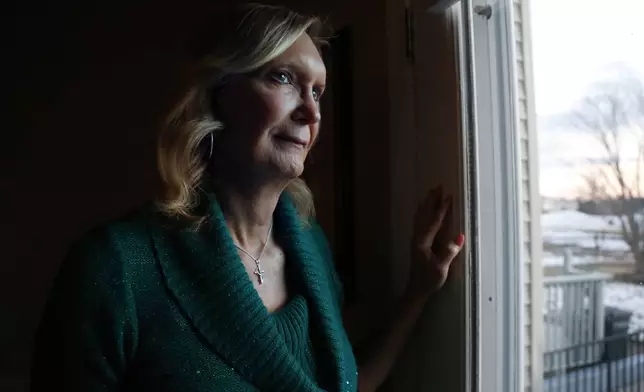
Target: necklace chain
[[258, 269]]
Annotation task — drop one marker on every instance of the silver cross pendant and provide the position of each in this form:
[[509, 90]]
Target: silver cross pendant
[[260, 274]]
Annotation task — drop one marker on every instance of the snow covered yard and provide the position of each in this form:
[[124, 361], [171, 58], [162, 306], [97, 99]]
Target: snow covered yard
[[593, 240], [584, 231]]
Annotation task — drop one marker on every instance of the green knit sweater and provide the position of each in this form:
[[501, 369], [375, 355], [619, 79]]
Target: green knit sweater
[[143, 304]]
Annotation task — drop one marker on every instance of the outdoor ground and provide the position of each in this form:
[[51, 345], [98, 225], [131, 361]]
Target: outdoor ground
[[593, 244]]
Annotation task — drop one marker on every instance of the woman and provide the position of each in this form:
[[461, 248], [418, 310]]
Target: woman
[[227, 283]]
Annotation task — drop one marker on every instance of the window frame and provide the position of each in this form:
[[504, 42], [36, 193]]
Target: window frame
[[495, 298], [490, 127]]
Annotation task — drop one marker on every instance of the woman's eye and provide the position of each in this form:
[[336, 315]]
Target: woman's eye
[[317, 94], [281, 77]]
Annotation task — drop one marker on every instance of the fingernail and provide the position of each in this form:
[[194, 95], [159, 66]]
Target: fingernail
[[460, 240]]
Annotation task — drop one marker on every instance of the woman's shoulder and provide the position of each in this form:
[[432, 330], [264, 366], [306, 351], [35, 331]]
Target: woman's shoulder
[[104, 266], [124, 239], [91, 312], [123, 230]]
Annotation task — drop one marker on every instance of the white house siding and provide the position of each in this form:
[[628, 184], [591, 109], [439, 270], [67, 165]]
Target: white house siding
[[533, 326]]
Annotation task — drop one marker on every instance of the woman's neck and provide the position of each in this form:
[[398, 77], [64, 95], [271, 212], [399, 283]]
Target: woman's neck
[[248, 211]]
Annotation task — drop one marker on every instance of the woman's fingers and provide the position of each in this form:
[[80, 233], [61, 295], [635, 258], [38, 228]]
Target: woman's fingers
[[429, 203], [423, 214], [451, 251], [436, 220], [445, 232]]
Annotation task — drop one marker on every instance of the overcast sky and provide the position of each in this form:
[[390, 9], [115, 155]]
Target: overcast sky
[[574, 42]]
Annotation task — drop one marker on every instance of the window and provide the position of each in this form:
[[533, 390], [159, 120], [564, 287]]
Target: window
[[556, 154]]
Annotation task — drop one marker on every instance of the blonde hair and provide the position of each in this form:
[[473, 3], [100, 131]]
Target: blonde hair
[[240, 41]]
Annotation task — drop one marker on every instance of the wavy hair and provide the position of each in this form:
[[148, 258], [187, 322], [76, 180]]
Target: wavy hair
[[240, 41]]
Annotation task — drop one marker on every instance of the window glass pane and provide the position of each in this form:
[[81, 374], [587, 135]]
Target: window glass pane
[[580, 93]]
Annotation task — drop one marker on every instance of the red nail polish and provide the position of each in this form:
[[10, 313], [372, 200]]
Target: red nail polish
[[460, 240]]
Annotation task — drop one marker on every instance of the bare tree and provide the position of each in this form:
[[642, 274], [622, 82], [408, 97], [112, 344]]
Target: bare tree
[[613, 112]]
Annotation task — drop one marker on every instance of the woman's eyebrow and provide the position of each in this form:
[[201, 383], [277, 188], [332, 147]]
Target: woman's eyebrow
[[300, 71]]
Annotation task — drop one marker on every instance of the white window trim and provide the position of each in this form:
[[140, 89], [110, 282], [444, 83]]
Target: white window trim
[[493, 184]]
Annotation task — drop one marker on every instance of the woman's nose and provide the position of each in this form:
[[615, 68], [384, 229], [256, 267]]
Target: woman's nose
[[308, 112]]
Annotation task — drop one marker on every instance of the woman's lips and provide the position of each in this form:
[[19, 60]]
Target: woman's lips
[[291, 139]]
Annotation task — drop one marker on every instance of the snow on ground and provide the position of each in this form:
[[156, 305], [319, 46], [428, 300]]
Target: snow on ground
[[629, 297], [585, 240], [575, 220], [583, 232], [553, 260]]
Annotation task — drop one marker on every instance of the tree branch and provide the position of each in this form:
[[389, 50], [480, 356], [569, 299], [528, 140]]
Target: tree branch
[[609, 110]]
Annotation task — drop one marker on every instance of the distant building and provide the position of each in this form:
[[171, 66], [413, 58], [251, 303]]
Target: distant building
[[611, 206]]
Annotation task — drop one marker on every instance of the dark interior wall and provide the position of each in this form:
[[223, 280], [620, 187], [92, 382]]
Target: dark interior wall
[[426, 150], [435, 358], [90, 82]]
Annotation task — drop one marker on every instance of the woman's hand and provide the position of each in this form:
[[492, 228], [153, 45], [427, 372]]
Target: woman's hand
[[432, 251], [432, 255]]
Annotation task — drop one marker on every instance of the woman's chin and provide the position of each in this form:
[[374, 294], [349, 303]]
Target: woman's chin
[[290, 170], [288, 165], [293, 172]]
